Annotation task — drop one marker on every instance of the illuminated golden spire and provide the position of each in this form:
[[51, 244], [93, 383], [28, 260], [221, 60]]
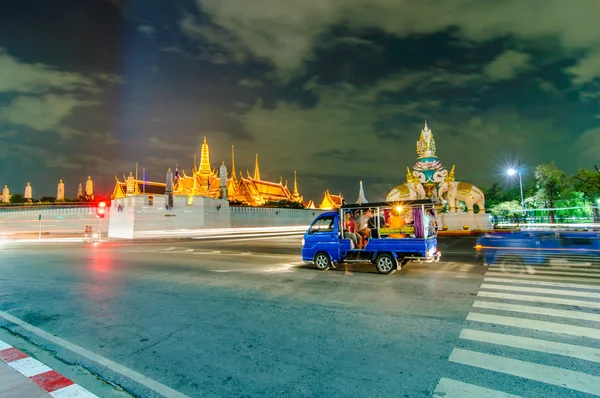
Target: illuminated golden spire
[[295, 193], [195, 167], [232, 163], [256, 170], [205, 158]]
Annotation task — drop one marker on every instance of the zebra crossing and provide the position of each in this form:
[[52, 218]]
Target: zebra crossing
[[532, 332]]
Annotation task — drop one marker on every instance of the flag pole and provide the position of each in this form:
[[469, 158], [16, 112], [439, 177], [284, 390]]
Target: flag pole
[[144, 177]]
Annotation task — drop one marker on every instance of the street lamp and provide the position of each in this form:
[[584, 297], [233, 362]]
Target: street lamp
[[512, 172]]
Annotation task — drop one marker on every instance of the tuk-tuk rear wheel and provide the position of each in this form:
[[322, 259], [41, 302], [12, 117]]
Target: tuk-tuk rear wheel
[[386, 264], [322, 261]]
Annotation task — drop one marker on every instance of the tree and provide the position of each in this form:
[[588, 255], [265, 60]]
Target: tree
[[47, 199], [506, 209], [552, 184], [587, 182], [284, 204], [17, 198]]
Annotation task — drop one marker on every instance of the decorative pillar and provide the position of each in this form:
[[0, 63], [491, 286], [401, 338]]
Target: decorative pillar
[[89, 188], [223, 178], [169, 189], [130, 184], [5, 195], [60, 191], [28, 193]]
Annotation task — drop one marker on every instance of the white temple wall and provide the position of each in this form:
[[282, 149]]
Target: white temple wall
[[245, 217], [135, 217], [55, 220], [466, 221]]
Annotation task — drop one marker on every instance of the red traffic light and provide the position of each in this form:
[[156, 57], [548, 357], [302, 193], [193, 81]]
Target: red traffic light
[[102, 204]]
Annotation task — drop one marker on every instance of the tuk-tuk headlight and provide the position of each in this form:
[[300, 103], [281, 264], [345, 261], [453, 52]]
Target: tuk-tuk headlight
[[302, 242]]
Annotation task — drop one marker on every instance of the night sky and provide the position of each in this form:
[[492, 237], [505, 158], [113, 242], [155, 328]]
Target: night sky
[[336, 89]]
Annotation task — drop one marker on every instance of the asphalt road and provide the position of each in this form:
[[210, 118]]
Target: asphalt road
[[244, 318]]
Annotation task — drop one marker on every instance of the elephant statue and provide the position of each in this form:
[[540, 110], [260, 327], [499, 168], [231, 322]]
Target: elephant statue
[[455, 191], [406, 191]]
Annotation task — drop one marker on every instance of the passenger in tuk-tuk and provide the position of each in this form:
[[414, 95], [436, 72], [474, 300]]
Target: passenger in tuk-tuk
[[350, 230], [373, 225], [362, 227]]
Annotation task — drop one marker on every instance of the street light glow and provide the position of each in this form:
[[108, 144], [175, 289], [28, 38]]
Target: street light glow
[[511, 172]]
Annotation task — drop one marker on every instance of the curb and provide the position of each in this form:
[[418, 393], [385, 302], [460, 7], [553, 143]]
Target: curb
[[49, 380]]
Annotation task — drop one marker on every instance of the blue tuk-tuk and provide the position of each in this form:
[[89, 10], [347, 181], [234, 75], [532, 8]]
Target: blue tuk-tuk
[[388, 235]]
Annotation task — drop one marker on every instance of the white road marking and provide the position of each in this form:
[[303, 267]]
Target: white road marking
[[526, 343], [542, 326], [449, 388], [566, 273], [546, 374], [29, 366], [188, 250], [73, 390], [540, 299], [541, 283], [528, 309], [529, 289], [582, 269], [113, 366], [170, 248], [542, 277]]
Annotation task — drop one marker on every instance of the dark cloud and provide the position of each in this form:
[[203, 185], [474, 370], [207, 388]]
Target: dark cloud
[[335, 90]]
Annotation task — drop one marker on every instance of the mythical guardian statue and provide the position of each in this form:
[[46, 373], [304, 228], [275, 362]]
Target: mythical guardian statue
[[412, 189], [454, 192]]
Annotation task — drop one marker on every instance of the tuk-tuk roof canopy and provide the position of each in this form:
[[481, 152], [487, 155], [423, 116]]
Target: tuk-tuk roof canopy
[[408, 203]]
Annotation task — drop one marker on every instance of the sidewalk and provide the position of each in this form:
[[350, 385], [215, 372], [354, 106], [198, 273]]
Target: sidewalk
[[15, 385], [23, 376]]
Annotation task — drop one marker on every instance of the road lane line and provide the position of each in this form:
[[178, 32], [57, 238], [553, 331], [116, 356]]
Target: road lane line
[[529, 309], [115, 367], [170, 248], [188, 250], [557, 284], [449, 388], [526, 343], [528, 289], [566, 273], [542, 277], [542, 326], [591, 270], [565, 378], [540, 299]]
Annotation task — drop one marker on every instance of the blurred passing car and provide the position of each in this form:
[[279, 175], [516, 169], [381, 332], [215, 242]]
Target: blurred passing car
[[539, 248]]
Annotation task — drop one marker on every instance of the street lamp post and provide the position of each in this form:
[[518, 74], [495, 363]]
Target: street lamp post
[[512, 172]]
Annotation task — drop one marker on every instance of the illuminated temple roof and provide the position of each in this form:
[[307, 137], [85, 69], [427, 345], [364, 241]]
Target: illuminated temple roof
[[331, 202], [204, 181]]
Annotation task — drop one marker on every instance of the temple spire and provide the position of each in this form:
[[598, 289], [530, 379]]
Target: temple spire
[[233, 163], [205, 158], [361, 195], [256, 169], [295, 193]]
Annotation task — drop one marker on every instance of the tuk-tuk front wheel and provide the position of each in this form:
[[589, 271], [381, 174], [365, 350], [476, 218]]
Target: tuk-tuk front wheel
[[322, 261], [386, 264]]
